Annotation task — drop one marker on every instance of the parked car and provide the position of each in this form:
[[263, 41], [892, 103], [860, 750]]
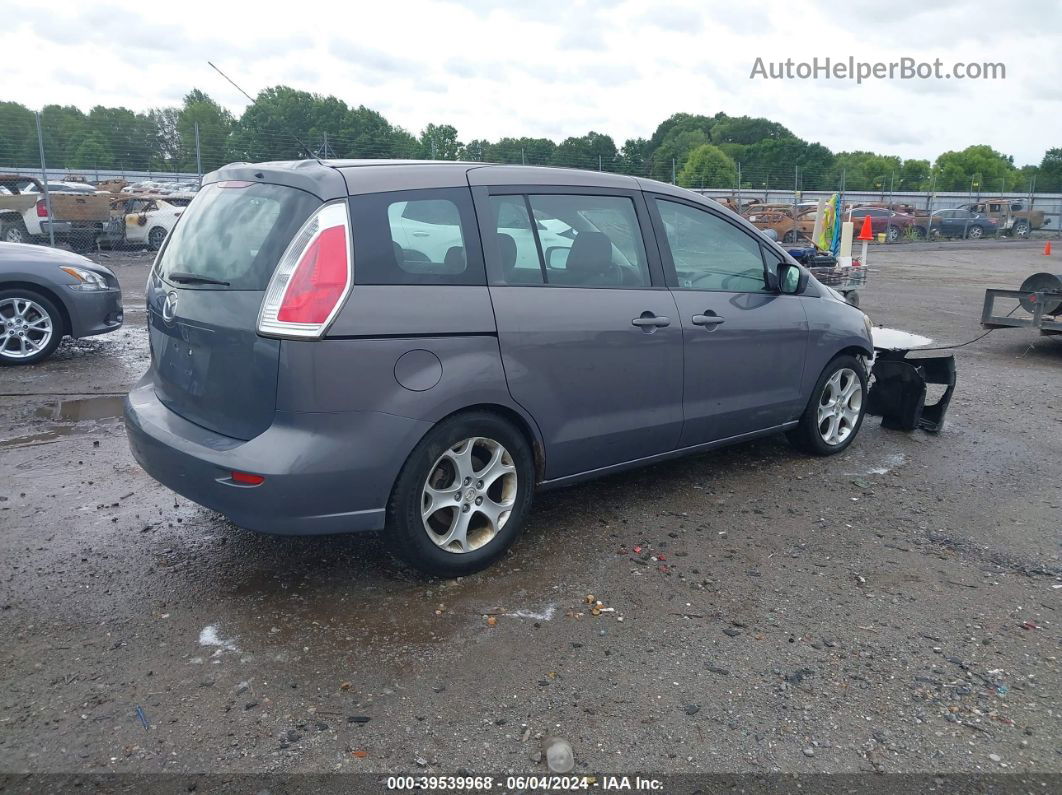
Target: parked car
[[308, 376], [962, 223], [1013, 215], [790, 222], [47, 294], [882, 219], [78, 212]]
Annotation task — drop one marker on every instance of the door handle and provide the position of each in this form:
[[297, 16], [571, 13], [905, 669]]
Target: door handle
[[421, 234], [647, 321], [708, 321]]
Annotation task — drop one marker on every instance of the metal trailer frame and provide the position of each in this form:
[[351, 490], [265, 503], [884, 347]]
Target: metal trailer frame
[[1047, 324]]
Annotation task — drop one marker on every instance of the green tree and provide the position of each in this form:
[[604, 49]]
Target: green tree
[[864, 171], [92, 152], [977, 168], [747, 130], [18, 135], [593, 150], [914, 175], [673, 141], [708, 167], [633, 157], [1049, 174], [475, 150], [215, 126], [532, 151], [439, 142]]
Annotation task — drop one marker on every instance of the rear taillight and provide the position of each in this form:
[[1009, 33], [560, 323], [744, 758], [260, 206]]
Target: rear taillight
[[42, 208], [312, 279]]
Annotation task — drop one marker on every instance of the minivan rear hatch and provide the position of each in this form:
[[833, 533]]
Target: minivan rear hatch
[[204, 295]]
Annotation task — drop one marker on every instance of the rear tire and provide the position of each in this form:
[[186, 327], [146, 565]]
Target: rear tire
[[27, 312], [892, 234], [461, 527], [13, 232], [1021, 229], [975, 233], [817, 422]]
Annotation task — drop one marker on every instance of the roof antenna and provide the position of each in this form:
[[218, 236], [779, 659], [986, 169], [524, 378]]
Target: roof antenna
[[298, 140]]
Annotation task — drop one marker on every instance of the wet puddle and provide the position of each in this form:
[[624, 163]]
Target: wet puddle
[[77, 416], [81, 409]]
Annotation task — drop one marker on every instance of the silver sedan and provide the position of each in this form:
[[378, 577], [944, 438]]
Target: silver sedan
[[47, 294]]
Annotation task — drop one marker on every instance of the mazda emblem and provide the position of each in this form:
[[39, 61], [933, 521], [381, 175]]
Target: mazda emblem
[[169, 307]]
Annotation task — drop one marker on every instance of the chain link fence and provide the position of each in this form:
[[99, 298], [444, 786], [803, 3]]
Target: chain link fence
[[152, 160]]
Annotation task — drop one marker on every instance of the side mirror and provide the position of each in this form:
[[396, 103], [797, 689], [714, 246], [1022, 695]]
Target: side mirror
[[791, 279], [770, 233]]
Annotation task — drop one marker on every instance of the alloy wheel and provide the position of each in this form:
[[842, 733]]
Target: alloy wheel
[[839, 407], [468, 495], [25, 328]]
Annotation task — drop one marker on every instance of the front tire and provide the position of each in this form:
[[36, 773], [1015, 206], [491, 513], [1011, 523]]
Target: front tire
[[892, 234], [462, 496], [975, 233], [1021, 229], [31, 327], [156, 237], [834, 413]]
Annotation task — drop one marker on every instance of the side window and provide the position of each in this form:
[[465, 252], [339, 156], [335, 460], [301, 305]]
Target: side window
[[415, 237], [514, 242], [710, 253], [590, 241]]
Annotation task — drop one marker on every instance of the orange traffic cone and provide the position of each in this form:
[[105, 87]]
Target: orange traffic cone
[[1047, 249], [866, 233]]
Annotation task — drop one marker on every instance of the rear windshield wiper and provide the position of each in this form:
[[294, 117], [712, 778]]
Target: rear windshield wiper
[[183, 277]]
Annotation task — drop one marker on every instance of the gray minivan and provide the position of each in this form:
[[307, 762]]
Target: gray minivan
[[416, 347]]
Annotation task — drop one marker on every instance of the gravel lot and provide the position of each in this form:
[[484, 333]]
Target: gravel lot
[[891, 609]]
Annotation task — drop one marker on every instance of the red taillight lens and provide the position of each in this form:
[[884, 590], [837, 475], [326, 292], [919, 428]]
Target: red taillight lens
[[247, 479], [42, 208], [319, 279], [312, 278]]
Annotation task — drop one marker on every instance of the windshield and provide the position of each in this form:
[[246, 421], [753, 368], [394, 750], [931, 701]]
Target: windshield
[[234, 232]]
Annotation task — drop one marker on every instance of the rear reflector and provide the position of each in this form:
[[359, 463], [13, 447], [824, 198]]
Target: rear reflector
[[247, 479], [42, 208], [312, 279]]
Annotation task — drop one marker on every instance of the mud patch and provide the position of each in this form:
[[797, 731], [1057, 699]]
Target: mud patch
[[82, 409]]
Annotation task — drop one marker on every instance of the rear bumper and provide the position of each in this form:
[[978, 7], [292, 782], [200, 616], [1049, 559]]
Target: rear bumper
[[324, 472]]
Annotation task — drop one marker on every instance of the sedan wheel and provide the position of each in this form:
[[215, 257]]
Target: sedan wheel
[[469, 495], [29, 328], [975, 233], [892, 234], [840, 407]]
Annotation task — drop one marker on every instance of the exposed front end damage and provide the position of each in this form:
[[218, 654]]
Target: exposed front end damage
[[899, 388]]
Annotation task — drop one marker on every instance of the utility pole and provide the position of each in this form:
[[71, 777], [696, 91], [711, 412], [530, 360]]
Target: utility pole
[[198, 157], [523, 157], [672, 171], [44, 180]]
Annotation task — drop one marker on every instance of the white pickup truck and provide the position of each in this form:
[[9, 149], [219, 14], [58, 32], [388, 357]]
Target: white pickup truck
[[78, 212]]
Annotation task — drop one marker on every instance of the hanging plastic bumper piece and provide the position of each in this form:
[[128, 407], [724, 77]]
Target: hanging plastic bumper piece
[[898, 392]]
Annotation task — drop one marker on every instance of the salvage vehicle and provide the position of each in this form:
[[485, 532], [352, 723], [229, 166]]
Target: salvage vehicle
[[308, 375], [79, 212], [1013, 215], [883, 220], [790, 222], [962, 223], [142, 220], [47, 294]]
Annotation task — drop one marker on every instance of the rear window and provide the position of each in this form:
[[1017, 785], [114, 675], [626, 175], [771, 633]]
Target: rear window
[[235, 232]]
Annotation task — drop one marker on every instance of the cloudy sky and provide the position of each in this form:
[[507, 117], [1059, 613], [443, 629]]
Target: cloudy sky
[[556, 68]]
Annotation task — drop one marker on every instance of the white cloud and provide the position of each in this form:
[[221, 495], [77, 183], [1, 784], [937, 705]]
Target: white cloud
[[562, 67]]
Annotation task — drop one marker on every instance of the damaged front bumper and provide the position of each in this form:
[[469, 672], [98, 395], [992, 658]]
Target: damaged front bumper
[[899, 387]]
